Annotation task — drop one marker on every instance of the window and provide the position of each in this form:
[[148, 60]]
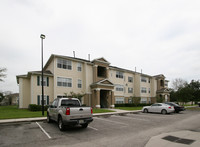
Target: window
[[143, 79], [130, 101], [149, 90], [143, 90], [130, 79], [101, 71], [119, 74], [64, 82], [130, 90], [79, 84], [119, 100], [65, 64], [149, 80], [143, 100], [45, 81], [166, 84], [46, 99], [119, 88], [79, 67]]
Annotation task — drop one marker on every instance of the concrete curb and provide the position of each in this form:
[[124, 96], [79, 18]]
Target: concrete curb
[[6, 121]]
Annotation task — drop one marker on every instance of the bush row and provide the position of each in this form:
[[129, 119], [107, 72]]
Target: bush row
[[131, 105], [34, 107]]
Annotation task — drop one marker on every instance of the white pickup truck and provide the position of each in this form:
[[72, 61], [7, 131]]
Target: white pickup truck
[[69, 112]]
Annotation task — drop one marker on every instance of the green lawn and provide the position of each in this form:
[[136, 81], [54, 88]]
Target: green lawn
[[101, 110], [194, 108], [12, 112], [129, 108]]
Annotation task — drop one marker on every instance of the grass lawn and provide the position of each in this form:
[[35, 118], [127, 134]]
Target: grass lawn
[[194, 108], [129, 108], [101, 110], [12, 112]]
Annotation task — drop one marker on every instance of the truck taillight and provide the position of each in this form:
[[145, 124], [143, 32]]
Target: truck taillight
[[91, 111], [68, 111]]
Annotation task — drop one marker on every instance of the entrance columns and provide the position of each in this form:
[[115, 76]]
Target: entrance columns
[[98, 98], [112, 99]]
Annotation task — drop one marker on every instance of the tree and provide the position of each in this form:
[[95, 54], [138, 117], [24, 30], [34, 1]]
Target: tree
[[1, 97], [136, 100], [75, 95], [2, 75], [195, 90], [178, 83]]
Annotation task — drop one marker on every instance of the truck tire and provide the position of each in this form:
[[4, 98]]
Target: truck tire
[[48, 118], [84, 125], [60, 124]]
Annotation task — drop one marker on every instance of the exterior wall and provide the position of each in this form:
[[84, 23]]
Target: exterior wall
[[37, 90], [73, 74], [51, 66], [24, 96]]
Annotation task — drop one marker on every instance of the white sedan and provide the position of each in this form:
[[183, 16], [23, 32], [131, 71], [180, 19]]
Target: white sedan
[[158, 108]]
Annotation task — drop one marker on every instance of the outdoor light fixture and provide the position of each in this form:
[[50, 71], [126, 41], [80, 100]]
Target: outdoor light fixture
[[42, 36]]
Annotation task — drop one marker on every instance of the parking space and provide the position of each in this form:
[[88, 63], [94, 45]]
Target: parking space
[[103, 131]]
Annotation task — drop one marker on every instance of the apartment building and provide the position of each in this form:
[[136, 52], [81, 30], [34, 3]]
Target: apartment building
[[103, 85]]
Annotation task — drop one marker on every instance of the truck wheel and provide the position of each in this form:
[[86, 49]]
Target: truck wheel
[[60, 124], [48, 118], [84, 125]]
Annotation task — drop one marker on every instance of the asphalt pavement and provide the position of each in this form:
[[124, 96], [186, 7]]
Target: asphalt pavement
[[176, 139]]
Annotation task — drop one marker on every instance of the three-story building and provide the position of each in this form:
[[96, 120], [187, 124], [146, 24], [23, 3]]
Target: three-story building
[[103, 85]]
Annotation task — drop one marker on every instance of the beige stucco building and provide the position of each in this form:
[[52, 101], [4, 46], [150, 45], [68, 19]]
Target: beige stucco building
[[103, 85]]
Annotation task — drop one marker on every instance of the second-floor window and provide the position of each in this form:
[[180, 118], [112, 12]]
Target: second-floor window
[[64, 82], [143, 90], [45, 81], [119, 88], [119, 74], [65, 64], [130, 90], [79, 84]]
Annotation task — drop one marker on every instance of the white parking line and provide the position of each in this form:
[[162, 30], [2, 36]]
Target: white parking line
[[43, 130], [111, 121], [92, 128]]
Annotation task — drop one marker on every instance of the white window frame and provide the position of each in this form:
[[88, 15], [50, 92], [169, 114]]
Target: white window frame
[[143, 90], [143, 79], [130, 79], [79, 83], [119, 74], [119, 88], [79, 67], [64, 64], [130, 90], [64, 82], [119, 100]]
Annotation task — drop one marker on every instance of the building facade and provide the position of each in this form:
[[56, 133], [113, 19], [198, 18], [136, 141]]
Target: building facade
[[103, 85]]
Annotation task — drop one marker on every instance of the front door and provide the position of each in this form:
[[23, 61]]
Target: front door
[[104, 98]]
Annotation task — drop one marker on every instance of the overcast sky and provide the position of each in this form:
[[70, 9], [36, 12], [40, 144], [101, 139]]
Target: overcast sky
[[157, 36]]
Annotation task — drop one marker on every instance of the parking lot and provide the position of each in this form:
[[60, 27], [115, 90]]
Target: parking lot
[[115, 130]]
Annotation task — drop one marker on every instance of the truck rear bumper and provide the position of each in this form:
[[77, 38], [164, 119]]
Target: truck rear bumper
[[73, 122]]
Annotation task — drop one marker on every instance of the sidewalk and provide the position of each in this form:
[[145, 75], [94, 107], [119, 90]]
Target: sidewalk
[[176, 139]]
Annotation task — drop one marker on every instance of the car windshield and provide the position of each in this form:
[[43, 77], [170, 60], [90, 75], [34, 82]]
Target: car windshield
[[172, 104], [73, 103]]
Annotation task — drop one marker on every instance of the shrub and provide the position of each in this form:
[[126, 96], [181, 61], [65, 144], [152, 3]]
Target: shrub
[[34, 107], [131, 105]]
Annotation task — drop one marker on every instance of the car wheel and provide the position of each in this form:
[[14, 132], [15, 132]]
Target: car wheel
[[60, 124], [84, 125], [48, 118], [145, 110], [177, 111], [164, 111]]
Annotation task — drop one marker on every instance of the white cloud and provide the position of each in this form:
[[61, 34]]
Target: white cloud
[[155, 36]]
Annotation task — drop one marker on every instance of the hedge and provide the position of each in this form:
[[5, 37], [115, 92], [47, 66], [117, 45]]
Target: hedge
[[131, 105], [34, 107]]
